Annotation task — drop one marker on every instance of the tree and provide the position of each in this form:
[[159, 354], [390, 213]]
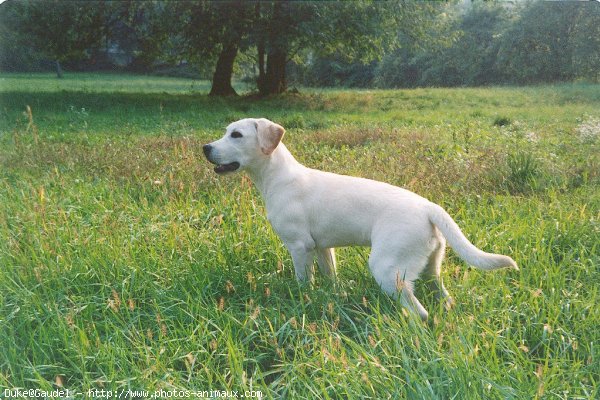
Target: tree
[[351, 31], [585, 42], [16, 52], [217, 31], [63, 31], [536, 47], [142, 30]]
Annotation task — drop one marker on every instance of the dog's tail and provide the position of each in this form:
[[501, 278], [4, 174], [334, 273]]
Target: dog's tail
[[465, 249]]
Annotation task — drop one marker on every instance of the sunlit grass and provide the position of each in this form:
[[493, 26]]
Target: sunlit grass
[[94, 82], [126, 263]]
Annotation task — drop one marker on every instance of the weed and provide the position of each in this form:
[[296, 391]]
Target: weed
[[501, 121], [523, 172], [588, 131], [295, 121]]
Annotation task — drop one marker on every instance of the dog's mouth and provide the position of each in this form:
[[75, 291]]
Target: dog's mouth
[[224, 168]]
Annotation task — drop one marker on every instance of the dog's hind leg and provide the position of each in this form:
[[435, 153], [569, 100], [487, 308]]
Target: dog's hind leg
[[432, 275], [410, 301], [326, 261], [396, 276]]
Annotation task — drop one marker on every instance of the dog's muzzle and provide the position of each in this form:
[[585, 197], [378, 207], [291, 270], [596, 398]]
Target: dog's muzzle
[[207, 148], [220, 168]]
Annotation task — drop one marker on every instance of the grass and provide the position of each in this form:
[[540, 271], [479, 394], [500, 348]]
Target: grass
[[125, 263]]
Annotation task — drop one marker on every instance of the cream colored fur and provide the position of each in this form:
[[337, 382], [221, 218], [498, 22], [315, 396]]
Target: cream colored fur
[[314, 211]]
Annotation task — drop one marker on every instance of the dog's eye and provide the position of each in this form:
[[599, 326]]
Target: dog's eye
[[236, 135]]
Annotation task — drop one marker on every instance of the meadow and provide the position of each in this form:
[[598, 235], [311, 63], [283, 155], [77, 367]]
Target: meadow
[[126, 263]]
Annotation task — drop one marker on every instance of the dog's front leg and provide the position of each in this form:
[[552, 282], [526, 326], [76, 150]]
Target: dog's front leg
[[303, 256]]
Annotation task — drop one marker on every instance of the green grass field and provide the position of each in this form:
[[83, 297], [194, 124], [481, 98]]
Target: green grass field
[[125, 263]]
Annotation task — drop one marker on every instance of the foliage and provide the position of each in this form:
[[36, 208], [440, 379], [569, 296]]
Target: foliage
[[61, 30], [347, 31], [144, 32], [498, 43], [358, 43], [16, 50], [207, 25], [536, 47]]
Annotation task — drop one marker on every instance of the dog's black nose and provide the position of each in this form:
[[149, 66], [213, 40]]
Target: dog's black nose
[[206, 148]]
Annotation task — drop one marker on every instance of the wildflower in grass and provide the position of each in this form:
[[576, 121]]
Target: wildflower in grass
[[417, 342], [540, 390], [539, 371], [588, 131], [115, 302], [280, 352], [294, 323], [162, 325], [246, 182], [330, 309], [336, 323], [69, 320], [229, 287], [190, 360], [524, 348], [378, 364], [255, 313], [38, 274], [216, 221], [365, 378], [327, 355], [532, 137], [372, 341], [336, 343], [344, 361], [251, 281]]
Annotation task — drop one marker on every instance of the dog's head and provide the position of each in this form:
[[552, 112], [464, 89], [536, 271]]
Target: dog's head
[[247, 142]]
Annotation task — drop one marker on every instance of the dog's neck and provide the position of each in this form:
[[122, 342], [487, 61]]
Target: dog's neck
[[268, 174]]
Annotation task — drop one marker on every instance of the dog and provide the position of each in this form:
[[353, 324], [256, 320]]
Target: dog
[[314, 212]]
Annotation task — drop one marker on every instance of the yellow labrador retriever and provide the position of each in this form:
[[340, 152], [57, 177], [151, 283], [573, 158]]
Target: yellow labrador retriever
[[314, 211]]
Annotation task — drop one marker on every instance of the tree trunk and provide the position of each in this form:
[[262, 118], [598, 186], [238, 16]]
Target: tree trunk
[[260, 49], [261, 67], [59, 72], [221, 82], [275, 82]]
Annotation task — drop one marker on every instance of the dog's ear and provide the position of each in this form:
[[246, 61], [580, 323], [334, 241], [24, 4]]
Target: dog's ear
[[269, 135]]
